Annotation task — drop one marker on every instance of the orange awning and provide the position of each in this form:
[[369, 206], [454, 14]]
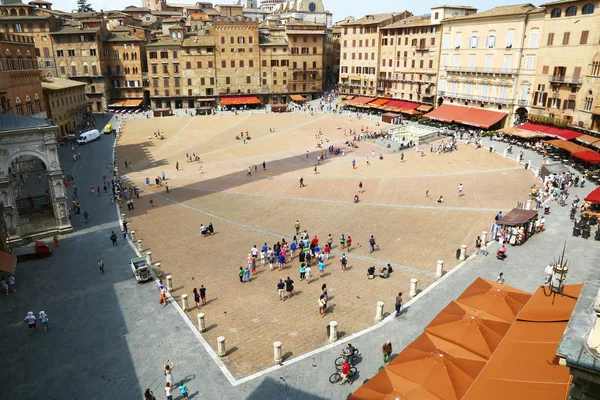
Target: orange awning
[[117, 104], [566, 145], [297, 97], [378, 102], [590, 140], [425, 107], [133, 103], [360, 100], [227, 101], [466, 115]]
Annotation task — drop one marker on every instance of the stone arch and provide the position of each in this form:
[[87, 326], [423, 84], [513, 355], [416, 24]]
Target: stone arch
[[13, 12], [22, 12], [25, 152]]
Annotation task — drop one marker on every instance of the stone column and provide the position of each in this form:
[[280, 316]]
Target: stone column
[[333, 331], [157, 271], [277, 354], [221, 350], [413, 287], [169, 283], [484, 237], [149, 257], [440, 269], [379, 312], [201, 323], [463, 252], [184, 302], [139, 245]]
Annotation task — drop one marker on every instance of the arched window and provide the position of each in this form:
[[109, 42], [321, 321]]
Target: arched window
[[571, 11], [21, 12], [556, 13], [587, 9]]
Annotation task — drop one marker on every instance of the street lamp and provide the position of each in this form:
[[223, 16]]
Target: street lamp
[[560, 269]]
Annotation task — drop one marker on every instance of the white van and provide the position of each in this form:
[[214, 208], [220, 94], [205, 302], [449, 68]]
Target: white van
[[89, 136]]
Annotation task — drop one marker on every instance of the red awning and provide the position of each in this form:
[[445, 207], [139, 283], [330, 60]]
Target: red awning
[[480, 118], [593, 197], [226, 101], [589, 156], [402, 105], [565, 134]]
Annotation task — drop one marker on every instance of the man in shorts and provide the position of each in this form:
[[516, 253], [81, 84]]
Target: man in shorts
[[280, 288], [162, 290], [343, 261], [344, 371], [30, 319]]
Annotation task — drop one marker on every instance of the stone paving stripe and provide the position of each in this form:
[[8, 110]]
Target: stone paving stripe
[[176, 133]]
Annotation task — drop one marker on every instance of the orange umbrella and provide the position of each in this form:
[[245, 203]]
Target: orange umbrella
[[477, 331], [499, 300]]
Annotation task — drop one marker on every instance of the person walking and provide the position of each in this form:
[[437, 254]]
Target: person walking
[[44, 318], [360, 187], [196, 298], [151, 201], [460, 190], [101, 266], [301, 182], [86, 216], [247, 274], [202, 294], [30, 319], [500, 278], [549, 271], [168, 371], [353, 163], [398, 304], [289, 287], [177, 165], [478, 244], [113, 238], [316, 169], [280, 289], [343, 261], [184, 390], [308, 274], [249, 173], [372, 244], [149, 395], [386, 349], [322, 304], [342, 241], [302, 271], [348, 243], [264, 165], [297, 227], [162, 291]]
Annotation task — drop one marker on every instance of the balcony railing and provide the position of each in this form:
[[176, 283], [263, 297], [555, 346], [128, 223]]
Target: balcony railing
[[304, 69], [569, 80], [470, 97], [419, 48], [479, 70]]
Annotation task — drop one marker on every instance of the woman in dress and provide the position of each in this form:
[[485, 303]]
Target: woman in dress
[[247, 275]]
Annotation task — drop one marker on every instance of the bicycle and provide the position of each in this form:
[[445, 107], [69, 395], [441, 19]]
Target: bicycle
[[337, 375], [340, 360]]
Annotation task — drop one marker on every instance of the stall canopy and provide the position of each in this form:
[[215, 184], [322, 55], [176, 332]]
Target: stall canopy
[[593, 197], [564, 134], [588, 156], [401, 105], [389, 117], [378, 102], [553, 168], [466, 115], [425, 108], [359, 100], [517, 217], [521, 133], [589, 140], [297, 97], [8, 262], [525, 365], [231, 101], [567, 146]]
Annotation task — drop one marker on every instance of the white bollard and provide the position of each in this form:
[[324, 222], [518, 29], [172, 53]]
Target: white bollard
[[221, 346], [169, 283], [201, 323], [529, 164], [139, 245], [132, 236], [440, 269], [413, 287], [484, 237], [505, 153], [277, 354], [379, 312], [149, 257], [463, 252], [184, 302], [528, 205], [123, 217], [333, 331]]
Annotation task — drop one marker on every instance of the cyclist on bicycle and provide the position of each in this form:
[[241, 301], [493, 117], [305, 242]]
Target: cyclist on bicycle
[[345, 370], [348, 353]]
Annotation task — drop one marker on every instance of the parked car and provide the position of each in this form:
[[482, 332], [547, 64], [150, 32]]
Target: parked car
[[108, 129], [89, 136]]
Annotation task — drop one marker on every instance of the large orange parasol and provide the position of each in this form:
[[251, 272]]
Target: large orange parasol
[[499, 300], [477, 331]]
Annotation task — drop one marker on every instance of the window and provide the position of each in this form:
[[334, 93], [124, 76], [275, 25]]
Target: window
[[436, 15], [241, 40], [587, 9], [18, 28], [584, 37], [506, 63], [227, 81], [250, 64], [533, 38], [164, 54], [595, 68], [165, 68], [529, 62], [446, 41], [502, 92], [457, 40], [468, 87], [71, 53], [474, 40], [491, 41], [248, 79], [484, 90], [154, 68], [457, 60], [472, 62], [555, 102], [550, 39], [232, 63], [93, 52], [188, 65], [556, 13], [587, 105], [223, 64], [571, 11], [152, 55], [177, 81], [444, 61], [566, 37], [116, 54], [166, 82]]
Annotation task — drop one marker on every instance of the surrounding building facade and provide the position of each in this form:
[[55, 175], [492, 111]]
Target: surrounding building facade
[[488, 59], [302, 10], [20, 89], [66, 103], [567, 79], [360, 52]]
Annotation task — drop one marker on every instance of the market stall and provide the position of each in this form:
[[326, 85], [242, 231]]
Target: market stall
[[162, 112], [591, 205], [278, 108], [391, 118], [516, 226]]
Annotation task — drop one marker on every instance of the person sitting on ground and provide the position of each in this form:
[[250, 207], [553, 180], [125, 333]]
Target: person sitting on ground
[[356, 198], [385, 273], [371, 272], [203, 230], [210, 229], [440, 200], [389, 268]]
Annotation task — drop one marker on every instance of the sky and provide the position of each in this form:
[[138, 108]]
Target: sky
[[339, 8]]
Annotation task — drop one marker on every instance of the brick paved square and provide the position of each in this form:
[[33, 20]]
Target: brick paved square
[[413, 232]]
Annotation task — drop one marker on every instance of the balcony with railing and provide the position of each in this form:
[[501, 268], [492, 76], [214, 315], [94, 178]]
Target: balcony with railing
[[479, 99], [422, 48], [481, 70], [565, 79]]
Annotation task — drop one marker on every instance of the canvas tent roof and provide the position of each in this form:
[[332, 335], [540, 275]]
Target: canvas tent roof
[[517, 216]]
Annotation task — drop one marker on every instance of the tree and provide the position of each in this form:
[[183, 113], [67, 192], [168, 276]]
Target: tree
[[84, 6]]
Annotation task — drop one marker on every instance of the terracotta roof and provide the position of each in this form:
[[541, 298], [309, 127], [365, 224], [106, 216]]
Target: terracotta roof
[[256, 10], [165, 41], [134, 8], [198, 41], [122, 37], [372, 19], [558, 2], [500, 11], [273, 41], [66, 30], [463, 7], [410, 21], [60, 83]]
